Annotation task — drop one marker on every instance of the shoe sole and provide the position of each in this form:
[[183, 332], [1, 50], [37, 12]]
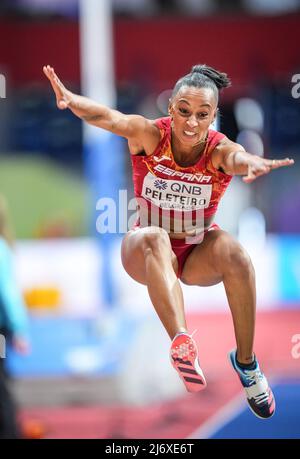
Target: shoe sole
[[184, 358], [260, 417], [249, 406]]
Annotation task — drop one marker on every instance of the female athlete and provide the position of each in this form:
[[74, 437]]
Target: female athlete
[[181, 169]]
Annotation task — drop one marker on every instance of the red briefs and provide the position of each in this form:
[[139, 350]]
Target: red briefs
[[182, 249]]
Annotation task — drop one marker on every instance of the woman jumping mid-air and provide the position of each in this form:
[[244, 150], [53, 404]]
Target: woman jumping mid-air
[[181, 169]]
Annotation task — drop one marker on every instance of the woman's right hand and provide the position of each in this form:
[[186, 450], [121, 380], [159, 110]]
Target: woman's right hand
[[63, 95]]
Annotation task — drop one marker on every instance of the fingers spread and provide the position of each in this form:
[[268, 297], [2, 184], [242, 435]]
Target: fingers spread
[[254, 172], [46, 72], [250, 176], [248, 179], [276, 163], [286, 162], [62, 104]]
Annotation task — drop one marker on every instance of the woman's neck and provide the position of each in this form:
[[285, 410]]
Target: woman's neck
[[187, 156]]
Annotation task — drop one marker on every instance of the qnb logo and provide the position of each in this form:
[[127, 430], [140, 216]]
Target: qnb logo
[[2, 347], [2, 87], [160, 184], [296, 87], [296, 348]]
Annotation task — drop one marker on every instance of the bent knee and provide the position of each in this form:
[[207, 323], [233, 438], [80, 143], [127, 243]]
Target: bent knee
[[156, 240], [137, 246], [231, 256], [240, 260]]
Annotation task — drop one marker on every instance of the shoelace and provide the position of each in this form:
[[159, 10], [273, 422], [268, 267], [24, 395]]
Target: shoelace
[[255, 376]]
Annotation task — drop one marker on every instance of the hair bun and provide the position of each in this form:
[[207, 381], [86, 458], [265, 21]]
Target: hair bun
[[220, 79], [199, 69]]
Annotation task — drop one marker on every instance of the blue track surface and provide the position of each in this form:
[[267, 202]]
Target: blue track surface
[[284, 424]]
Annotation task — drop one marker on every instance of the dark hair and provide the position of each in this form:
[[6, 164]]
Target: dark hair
[[203, 76]]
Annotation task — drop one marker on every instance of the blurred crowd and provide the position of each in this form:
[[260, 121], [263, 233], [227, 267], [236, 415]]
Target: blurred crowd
[[153, 7]]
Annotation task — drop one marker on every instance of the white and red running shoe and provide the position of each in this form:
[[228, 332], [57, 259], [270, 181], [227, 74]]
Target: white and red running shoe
[[184, 358]]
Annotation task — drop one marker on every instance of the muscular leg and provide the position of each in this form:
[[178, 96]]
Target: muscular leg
[[220, 258], [148, 258]]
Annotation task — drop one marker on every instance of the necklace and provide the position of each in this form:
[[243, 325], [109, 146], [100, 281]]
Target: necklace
[[187, 162], [203, 140]]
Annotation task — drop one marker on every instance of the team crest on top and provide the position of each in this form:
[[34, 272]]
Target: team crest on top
[[162, 158]]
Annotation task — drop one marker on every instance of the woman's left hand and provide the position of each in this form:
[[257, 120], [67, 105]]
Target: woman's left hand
[[261, 166]]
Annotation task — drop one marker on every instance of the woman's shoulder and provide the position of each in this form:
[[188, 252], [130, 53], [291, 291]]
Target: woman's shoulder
[[215, 139], [221, 141], [214, 134], [163, 123]]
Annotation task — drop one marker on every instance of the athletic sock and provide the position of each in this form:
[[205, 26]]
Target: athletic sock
[[247, 366]]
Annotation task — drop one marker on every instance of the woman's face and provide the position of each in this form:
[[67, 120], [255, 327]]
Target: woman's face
[[192, 111]]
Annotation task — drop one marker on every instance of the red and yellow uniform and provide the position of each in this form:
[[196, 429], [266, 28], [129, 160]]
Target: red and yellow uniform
[[176, 198]]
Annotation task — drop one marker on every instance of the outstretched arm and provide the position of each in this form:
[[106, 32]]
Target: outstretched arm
[[234, 160], [129, 126]]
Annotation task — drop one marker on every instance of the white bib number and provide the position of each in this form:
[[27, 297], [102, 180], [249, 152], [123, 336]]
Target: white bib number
[[174, 194]]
